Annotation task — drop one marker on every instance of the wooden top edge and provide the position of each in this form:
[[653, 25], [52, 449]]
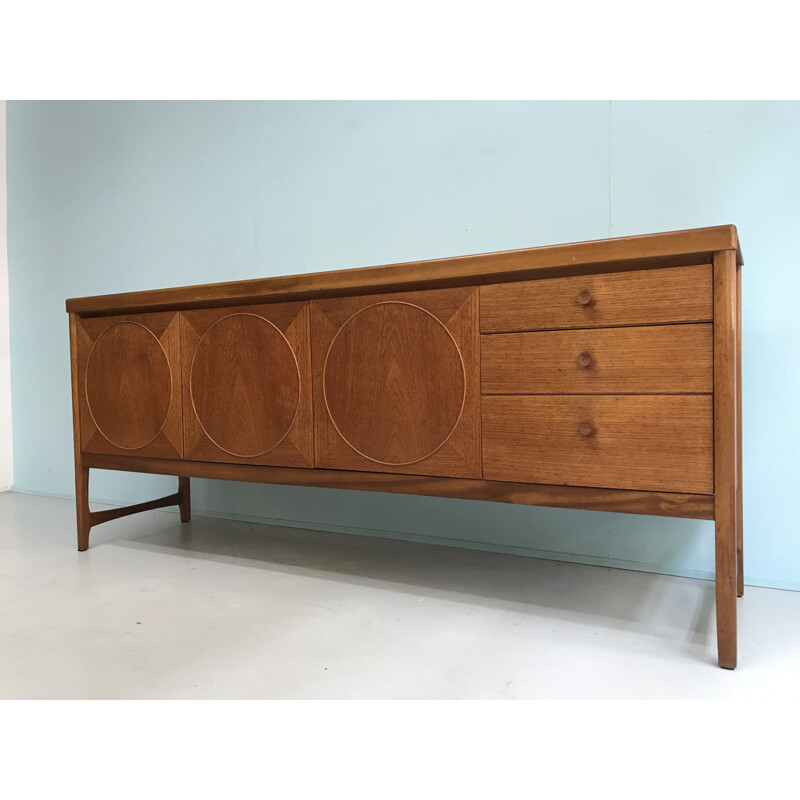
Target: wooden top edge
[[651, 249]]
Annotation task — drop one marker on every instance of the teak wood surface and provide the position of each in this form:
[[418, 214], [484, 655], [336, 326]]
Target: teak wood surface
[[726, 426], [247, 385], [397, 383], [681, 294], [599, 375], [693, 246], [129, 384], [662, 504], [661, 359], [659, 443]]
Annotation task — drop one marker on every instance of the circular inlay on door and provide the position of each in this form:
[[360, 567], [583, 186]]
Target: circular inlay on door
[[245, 385], [394, 383], [128, 385]]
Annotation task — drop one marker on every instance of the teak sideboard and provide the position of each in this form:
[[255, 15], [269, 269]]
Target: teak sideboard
[[601, 375]]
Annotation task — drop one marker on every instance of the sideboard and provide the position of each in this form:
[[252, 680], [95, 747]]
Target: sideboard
[[600, 375]]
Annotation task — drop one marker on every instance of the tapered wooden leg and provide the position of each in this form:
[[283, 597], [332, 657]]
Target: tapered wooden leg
[[725, 459], [186, 499], [739, 505], [81, 472], [739, 544], [82, 505], [726, 587]]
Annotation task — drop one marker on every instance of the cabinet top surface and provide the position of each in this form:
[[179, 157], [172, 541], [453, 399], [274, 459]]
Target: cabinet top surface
[[673, 248]]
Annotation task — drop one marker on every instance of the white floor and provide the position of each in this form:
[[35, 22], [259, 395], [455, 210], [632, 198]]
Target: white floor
[[221, 609]]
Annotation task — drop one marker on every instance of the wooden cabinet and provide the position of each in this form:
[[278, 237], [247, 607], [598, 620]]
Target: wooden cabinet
[[129, 384], [599, 375], [396, 383], [247, 385]]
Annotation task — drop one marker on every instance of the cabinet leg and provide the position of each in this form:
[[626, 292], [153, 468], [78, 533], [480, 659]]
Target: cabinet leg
[[82, 506], [186, 499], [725, 453], [739, 545], [726, 561]]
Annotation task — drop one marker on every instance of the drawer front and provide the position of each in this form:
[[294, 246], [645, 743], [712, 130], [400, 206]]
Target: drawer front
[[247, 385], [129, 384], [672, 359], [397, 383], [676, 294], [647, 442]]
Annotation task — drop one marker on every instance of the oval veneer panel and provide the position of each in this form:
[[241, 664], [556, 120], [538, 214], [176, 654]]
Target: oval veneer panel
[[128, 385], [245, 385], [394, 383]]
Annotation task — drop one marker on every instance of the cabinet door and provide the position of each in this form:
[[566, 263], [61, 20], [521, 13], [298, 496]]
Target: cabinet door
[[396, 383], [129, 384], [247, 385]]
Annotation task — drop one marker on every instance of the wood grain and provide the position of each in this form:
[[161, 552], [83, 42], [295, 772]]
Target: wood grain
[[739, 490], [81, 472], [690, 506], [129, 384], [645, 297], [184, 490], [692, 246], [646, 442], [396, 383], [99, 517], [247, 385], [656, 359], [725, 457]]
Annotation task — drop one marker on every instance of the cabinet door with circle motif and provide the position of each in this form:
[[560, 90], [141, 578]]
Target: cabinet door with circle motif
[[247, 385], [129, 384], [396, 383]]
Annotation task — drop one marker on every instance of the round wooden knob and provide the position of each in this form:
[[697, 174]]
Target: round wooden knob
[[584, 298], [585, 429], [585, 360]]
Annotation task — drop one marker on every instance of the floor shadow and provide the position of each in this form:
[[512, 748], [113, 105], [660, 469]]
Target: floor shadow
[[663, 606]]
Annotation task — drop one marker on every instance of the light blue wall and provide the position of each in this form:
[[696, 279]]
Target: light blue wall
[[110, 197]]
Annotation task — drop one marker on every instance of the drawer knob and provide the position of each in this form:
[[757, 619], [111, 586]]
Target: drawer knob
[[584, 298], [585, 429], [585, 360]]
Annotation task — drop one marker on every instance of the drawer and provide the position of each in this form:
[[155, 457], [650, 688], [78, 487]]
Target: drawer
[[654, 359], [647, 442], [640, 297]]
